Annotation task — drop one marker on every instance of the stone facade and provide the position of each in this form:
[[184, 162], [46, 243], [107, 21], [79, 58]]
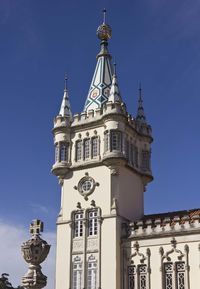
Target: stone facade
[[103, 164]]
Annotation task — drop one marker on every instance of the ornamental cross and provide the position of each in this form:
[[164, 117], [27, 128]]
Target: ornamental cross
[[36, 227]]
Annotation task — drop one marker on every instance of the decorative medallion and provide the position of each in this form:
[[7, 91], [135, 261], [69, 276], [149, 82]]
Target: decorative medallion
[[86, 186]]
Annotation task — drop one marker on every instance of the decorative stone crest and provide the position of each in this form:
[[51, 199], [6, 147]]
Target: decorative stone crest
[[35, 252], [86, 186]]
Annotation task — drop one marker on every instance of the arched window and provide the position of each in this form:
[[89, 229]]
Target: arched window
[[94, 147], [106, 141], [93, 224], [78, 150], [92, 273], [86, 146], [78, 224], [77, 273]]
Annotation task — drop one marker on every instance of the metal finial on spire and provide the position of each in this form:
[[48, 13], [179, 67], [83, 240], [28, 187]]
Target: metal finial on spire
[[65, 81], [104, 15], [140, 112], [104, 31]]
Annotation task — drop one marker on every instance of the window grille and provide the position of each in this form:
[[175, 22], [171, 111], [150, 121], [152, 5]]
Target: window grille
[[116, 140], [86, 149], [64, 152], [78, 150], [145, 160], [142, 272], [180, 275], [94, 146], [131, 277], [93, 224], [78, 224], [92, 273], [77, 274], [174, 275]]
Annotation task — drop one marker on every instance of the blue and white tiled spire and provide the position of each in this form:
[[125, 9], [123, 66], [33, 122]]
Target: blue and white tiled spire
[[65, 109], [114, 94], [102, 79], [140, 117]]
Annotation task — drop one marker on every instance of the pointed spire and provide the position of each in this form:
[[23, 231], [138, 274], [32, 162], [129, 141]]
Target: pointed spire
[[65, 109], [102, 79], [114, 95], [140, 111]]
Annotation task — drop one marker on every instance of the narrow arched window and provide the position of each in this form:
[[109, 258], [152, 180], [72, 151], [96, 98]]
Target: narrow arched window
[[106, 141], [146, 160], [92, 273], [93, 224], [78, 150]]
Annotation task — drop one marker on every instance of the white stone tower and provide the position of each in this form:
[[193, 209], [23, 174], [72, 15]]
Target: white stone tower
[[102, 161]]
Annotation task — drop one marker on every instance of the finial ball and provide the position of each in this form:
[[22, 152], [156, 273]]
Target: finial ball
[[104, 32]]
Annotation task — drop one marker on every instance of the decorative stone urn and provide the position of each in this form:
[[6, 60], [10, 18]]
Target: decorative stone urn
[[35, 252]]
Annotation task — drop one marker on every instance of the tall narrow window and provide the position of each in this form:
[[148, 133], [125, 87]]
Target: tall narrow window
[[56, 152], [135, 156], [78, 150], [180, 275], [131, 154], [131, 277], [64, 152], [86, 149], [106, 141], [94, 147], [142, 272], [92, 273], [116, 140], [127, 149], [93, 225], [78, 224], [77, 273], [145, 160], [168, 275]]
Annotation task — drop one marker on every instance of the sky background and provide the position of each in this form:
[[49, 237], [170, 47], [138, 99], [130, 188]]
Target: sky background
[[156, 42]]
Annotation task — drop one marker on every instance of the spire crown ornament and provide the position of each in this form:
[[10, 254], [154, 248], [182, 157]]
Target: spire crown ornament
[[104, 31]]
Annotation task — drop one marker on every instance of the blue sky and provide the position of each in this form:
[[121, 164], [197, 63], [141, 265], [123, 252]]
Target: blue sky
[[156, 42]]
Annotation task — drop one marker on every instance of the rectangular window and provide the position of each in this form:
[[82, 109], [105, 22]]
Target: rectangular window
[[142, 271], [56, 153], [146, 160], [76, 278], [127, 149], [94, 147], [131, 154], [92, 217], [86, 149], [64, 152], [78, 150], [78, 225], [92, 275], [180, 275], [168, 275], [116, 140], [106, 141], [131, 277], [135, 156]]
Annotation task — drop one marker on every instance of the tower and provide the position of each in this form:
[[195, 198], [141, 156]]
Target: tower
[[102, 161]]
